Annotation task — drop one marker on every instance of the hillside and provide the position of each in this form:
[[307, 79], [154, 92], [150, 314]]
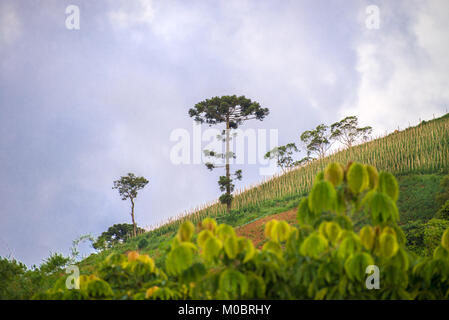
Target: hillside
[[423, 149], [417, 156]]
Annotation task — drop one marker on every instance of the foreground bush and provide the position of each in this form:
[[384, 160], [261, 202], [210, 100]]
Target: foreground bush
[[324, 257], [443, 213], [19, 283]]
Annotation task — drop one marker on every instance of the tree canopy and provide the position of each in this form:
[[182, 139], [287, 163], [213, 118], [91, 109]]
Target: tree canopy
[[129, 185], [317, 141], [115, 234], [232, 109], [348, 132], [284, 155]]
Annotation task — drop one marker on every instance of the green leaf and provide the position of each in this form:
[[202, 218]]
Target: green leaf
[[280, 231], [273, 247], [355, 265], [203, 236], [331, 230], [194, 273], [256, 286], [223, 231], [212, 248], [97, 288], [209, 224], [383, 209], [358, 178], [445, 240], [349, 245], [319, 176], [305, 215], [314, 246], [334, 173], [322, 197], [233, 282], [388, 185], [367, 237], [269, 227], [179, 259], [321, 295], [231, 247], [373, 176], [250, 251], [401, 260], [388, 245], [186, 231]]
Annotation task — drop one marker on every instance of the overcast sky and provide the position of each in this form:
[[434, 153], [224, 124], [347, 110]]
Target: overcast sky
[[80, 108]]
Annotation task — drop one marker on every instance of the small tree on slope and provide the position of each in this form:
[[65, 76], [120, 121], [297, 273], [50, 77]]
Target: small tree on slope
[[128, 186], [348, 132]]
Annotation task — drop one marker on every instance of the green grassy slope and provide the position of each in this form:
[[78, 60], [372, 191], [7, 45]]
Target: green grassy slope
[[418, 156], [417, 197]]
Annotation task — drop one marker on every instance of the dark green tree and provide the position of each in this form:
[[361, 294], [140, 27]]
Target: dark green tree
[[54, 263], [128, 186], [117, 233], [232, 111], [12, 275], [348, 132]]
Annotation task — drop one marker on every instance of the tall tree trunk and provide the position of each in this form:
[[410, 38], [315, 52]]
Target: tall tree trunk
[[132, 217], [228, 173]]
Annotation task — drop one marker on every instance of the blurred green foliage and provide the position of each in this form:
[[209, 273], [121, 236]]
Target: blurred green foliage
[[324, 257]]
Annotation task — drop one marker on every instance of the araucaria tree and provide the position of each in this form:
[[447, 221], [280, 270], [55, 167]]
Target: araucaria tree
[[128, 186], [231, 111], [348, 132]]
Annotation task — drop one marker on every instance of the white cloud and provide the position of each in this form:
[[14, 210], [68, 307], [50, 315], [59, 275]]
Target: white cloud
[[180, 20], [330, 78], [403, 72], [132, 13], [168, 20], [10, 25]]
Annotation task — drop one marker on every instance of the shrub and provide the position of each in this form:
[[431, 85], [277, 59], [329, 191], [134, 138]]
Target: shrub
[[11, 273], [18, 282], [323, 258], [415, 237], [55, 262], [143, 243], [118, 233], [432, 233], [443, 213], [443, 196]]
